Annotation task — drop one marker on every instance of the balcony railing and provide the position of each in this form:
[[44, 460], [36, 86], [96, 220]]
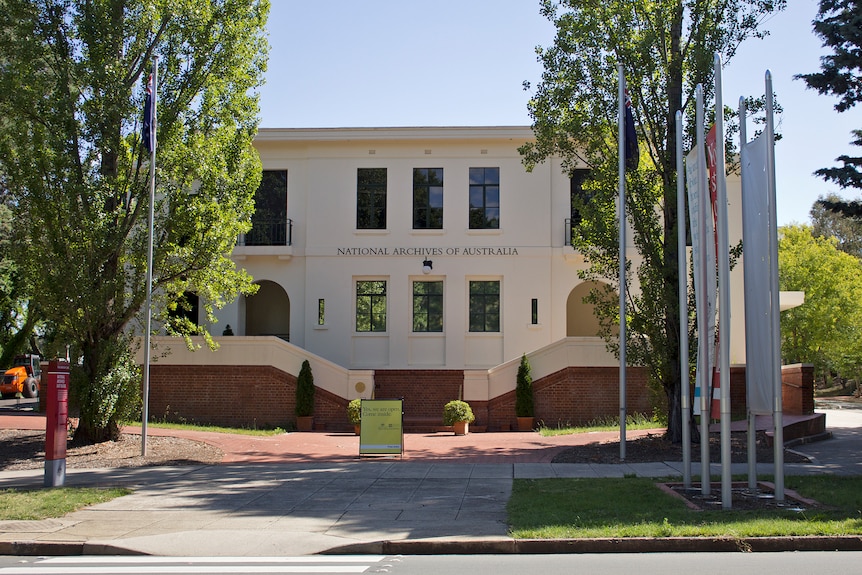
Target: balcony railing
[[277, 232]]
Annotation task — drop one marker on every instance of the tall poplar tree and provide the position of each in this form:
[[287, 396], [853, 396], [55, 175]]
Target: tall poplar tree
[[72, 159], [667, 48]]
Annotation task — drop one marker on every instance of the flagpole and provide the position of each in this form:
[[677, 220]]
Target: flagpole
[[723, 256], [684, 393], [778, 412], [148, 305], [703, 346], [622, 241], [752, 416]]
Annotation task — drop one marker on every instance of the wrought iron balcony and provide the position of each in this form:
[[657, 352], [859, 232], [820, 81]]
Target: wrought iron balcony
[[268, 232]]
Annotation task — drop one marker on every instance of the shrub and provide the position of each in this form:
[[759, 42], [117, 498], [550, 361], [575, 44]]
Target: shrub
[[354, 411], [524, 390], [305, 391], [457, 410]]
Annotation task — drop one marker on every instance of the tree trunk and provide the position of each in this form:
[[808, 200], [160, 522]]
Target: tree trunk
[[670, 262]]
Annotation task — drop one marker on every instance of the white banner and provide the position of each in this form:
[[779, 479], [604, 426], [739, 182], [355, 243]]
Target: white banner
[[756, 265], [703, 257]]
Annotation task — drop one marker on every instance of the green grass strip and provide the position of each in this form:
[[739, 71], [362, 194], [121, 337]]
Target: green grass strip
[[35, 504], [635, 507]]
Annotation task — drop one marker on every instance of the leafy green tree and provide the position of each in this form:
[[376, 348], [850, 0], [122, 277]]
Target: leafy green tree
[[72, 159], [827, 329], [827, 223], [839, 25], [667, 48]]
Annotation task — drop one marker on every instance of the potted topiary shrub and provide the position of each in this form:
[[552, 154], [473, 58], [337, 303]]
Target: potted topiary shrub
[[354, 413], [305, 398], [459, 415], [524, 396]]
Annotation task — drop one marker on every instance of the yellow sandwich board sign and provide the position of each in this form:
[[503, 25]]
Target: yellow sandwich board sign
[[382, 428]]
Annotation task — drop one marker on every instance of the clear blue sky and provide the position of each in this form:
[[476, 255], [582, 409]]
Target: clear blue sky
[[358, 63]]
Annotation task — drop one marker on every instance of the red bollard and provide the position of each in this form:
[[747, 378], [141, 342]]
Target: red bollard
[[56, 422]]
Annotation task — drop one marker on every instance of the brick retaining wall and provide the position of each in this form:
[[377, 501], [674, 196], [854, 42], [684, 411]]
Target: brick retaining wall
[[261, 396]]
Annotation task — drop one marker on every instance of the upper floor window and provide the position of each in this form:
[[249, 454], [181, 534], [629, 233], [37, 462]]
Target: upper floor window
[[428, 198], [427, 306], [484, 198], [269, 224], [371, 199], [579, 196], [485, 306], [371, 305]]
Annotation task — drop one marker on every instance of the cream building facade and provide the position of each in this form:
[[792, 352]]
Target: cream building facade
[[388, 212], [428, 256]]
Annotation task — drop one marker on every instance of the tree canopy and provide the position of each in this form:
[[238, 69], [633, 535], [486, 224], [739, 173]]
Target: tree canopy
[[839, 25], [825, 330], [71, 157], [667, 47]]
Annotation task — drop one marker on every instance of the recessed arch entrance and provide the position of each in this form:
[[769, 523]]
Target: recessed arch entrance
[[268, 311], [581, 320]]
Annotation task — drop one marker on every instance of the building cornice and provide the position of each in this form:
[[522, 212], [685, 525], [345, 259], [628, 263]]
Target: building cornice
[[518, 133]]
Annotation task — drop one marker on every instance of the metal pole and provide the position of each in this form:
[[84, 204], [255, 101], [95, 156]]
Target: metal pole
[[752, 418], [777, 414], [723, 291], [703, 343], [683, 308], [622, 239], [148, 304]]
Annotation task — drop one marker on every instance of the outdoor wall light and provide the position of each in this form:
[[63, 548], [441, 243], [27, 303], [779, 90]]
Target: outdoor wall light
[[427, 266]]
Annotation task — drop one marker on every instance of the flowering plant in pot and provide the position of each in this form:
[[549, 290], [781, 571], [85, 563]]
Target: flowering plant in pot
[[524, 396], [459, 415]]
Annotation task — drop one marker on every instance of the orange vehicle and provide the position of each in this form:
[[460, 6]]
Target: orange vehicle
[[24, 377]]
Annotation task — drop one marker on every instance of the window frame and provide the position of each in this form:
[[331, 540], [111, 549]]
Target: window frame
[[369, 309], [480, 214], [494, 298], [425, 215], [426, 305], [371, 198]]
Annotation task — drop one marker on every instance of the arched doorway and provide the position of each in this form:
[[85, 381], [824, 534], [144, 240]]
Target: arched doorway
[[581, 320], [268, 311]]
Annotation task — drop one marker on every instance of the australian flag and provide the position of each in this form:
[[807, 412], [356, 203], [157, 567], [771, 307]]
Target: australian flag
[[631, 137], [147, 134]]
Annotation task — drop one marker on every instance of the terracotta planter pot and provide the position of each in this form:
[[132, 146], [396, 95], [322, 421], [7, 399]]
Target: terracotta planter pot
[[357, 428], [304, 423], [461, 427], [526, 423]]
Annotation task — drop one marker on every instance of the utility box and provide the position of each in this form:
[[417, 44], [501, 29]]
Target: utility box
[[56, 422]]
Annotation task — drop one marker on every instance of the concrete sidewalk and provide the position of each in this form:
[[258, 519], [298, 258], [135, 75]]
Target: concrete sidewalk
[[308, 493]]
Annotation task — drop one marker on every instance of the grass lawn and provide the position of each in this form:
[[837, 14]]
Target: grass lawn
[[635, 507], [35, 504], [636, 421]]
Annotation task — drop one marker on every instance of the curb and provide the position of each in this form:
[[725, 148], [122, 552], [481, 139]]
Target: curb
[[622, 545], [503, 546], [62, 548]]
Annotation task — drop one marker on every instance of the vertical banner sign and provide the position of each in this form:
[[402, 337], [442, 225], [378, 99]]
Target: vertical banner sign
[[56, 423], [711, 163], [756, 266], [382, 429]]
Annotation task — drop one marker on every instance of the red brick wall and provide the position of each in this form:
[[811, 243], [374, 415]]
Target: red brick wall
[[238, 396], [425, 392], [574, 396], [260, 396], [797, 390]]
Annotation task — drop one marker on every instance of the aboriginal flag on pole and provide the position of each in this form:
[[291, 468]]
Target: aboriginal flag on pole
[[631, 137], [147, 134]]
